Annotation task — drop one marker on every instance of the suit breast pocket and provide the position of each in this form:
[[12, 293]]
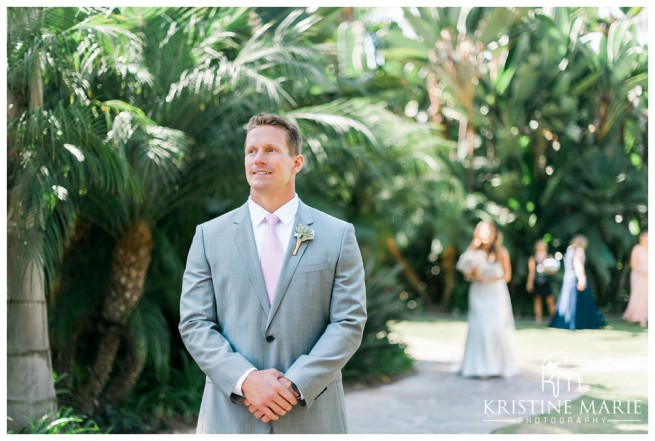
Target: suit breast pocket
[[312, 282], [314, 267]]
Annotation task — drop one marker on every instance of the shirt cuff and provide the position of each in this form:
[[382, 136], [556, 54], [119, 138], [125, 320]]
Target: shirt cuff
[[237, 387], [298, 391]]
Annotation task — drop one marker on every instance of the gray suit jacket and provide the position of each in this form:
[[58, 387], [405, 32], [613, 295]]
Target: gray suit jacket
[[311, 330]]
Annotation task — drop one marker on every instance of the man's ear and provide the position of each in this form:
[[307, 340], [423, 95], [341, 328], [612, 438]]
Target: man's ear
[[298, 163]]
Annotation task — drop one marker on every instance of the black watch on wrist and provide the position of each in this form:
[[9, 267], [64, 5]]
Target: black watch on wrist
[[298, 395], [295, 389]]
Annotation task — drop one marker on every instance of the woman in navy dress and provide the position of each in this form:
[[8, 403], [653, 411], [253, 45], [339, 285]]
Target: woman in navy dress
[[575, 307]]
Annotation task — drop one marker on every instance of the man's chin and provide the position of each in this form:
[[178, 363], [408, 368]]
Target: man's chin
[[261, 188], [264, 191]]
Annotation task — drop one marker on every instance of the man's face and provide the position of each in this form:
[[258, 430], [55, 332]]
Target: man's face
[[270, 170]]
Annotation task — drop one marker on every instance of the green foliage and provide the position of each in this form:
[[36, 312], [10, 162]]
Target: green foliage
[[65, 422], [181, 397], [415, 128], [380, 355], [155, 402], [55, 139], [552, 118]]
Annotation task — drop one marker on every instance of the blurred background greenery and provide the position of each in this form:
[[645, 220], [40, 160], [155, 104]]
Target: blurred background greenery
[[125, 130]]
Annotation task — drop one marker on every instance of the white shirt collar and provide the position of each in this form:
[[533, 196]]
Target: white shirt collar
[[286, 212]]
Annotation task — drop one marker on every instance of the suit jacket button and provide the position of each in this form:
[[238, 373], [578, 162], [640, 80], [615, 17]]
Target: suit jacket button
[[270, 338]]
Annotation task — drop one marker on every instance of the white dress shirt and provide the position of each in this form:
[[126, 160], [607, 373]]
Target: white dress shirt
[[287, 215], [284, 228]]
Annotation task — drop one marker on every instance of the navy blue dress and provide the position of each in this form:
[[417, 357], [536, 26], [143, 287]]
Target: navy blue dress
[[575, 309]]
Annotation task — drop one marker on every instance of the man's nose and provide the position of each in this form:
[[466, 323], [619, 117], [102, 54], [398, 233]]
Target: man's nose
[[259, 157]]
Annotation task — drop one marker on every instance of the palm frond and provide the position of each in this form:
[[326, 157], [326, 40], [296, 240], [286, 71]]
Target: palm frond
[[154, 156], [55, 156], [150, 333], [337, 116]]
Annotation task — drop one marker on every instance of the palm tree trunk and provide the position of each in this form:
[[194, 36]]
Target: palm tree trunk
[[122, 384], [36, 85], [64, 360], [435, 104], [128, 272], [410, 274], [448, 263], [30, 389], [130, 263], [470, 173], [86, 400]]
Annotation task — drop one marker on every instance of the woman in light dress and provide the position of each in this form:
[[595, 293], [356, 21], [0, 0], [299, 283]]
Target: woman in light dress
[[486, 264], [637, 310]]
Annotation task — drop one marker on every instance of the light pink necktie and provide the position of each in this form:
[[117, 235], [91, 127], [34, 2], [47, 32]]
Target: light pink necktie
[[271, 255]]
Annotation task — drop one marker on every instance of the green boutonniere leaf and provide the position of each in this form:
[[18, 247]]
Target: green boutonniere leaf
[[302, 234]]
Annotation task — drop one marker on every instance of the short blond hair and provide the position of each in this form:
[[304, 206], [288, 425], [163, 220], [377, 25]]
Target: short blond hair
[[294, 138]]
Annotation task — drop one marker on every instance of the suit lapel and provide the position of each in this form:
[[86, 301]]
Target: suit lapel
[[291, 262], [244, 241]]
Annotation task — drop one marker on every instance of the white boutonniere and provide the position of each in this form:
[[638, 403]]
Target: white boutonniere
[[301, 233]]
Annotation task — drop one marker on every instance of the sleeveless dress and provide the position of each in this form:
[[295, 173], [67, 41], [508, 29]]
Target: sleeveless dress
[[637, 310], [489, 350], [575, 309]]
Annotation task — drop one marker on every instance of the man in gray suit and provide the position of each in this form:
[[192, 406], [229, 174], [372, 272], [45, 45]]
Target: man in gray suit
[[272, 329]]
